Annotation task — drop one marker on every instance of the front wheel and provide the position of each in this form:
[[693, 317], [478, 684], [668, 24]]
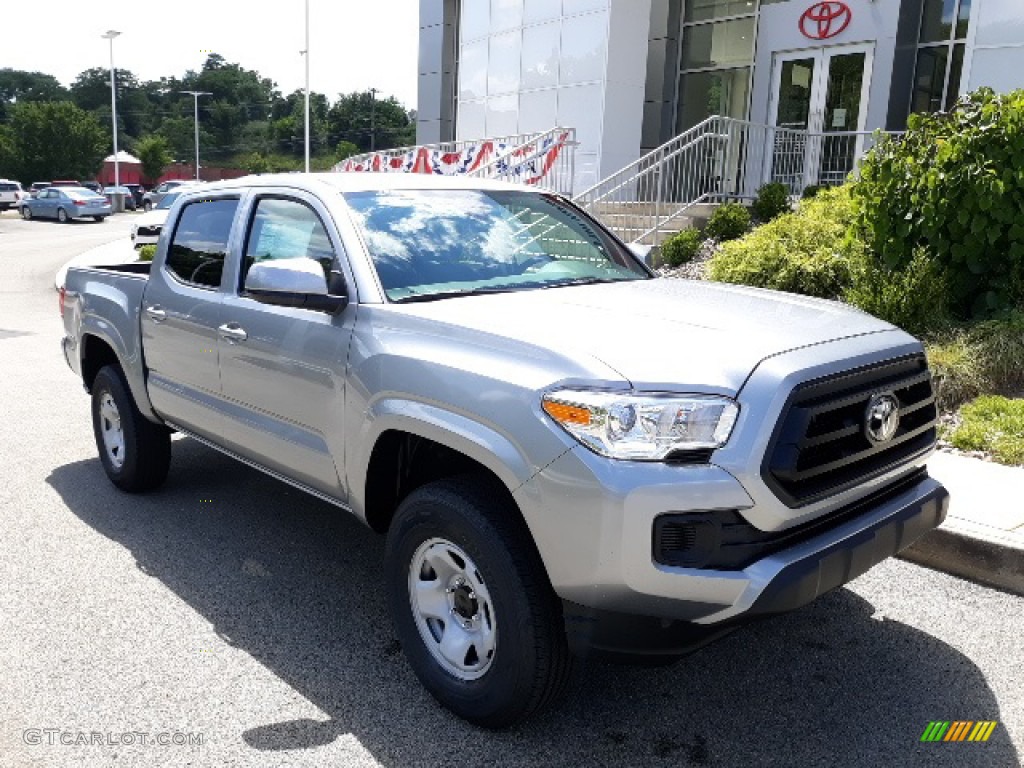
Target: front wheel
[[147, 206], [135, 452], [26, 213], [62, 216], [471, 603]]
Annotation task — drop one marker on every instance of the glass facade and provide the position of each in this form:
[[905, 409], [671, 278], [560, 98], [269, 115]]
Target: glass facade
[[940, 55], [716, 61]]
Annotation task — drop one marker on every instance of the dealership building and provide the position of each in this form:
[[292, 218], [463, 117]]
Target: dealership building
[[629, 75]]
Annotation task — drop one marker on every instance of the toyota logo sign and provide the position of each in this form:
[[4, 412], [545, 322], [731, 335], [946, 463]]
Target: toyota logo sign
[[826, 19]]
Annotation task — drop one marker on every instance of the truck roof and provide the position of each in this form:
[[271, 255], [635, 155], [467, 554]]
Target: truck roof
[[365, 182]]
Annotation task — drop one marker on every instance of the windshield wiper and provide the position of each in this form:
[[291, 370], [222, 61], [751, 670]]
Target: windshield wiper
[[454, 294]]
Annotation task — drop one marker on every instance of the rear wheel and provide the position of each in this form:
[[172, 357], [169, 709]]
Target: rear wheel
[[471, 603], [135, 452], [99, 218], [62, 216]]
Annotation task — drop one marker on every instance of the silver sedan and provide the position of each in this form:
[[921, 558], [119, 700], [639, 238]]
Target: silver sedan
[[65, 204]]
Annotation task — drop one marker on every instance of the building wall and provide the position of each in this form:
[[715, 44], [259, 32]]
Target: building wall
[[874, 23], [519, 66]]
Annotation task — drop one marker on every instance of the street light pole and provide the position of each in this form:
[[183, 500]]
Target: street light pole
[[306, 52], [110, 35], [373, 119], [195, 97]]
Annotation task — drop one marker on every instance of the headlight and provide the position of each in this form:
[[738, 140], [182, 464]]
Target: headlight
[[624, 426]]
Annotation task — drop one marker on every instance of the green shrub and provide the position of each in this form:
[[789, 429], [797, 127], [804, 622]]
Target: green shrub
[[728, 222], [953, 186], [914, 297], [807, 251], [771, 202], [994, 425], [984, 358], [682, 247], [811, 190], [147, 252], [957, 368]]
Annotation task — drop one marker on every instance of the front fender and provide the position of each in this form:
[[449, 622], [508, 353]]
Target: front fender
[[478, 441]]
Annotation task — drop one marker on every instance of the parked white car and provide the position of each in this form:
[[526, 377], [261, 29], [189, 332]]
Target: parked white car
[[11, 194], [146, 229]]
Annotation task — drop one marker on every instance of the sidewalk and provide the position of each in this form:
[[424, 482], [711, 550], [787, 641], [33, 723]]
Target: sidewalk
[[983, 536]]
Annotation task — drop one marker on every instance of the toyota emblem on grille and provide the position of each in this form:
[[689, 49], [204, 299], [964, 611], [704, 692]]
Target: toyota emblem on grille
[[882, 418], [826, 19]]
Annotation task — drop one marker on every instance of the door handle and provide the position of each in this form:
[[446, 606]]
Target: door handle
[[232, 332], [156, 313]]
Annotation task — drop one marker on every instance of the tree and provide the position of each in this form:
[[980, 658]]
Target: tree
[[154, 152], [345, 150], [91, 91], [355, 116], [17, 85], [54, 140]]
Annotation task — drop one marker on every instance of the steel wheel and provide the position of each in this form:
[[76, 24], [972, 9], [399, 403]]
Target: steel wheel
[[111, 431], [452, 609]]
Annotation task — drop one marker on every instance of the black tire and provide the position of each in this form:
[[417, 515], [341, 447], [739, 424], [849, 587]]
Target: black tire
[[100, 219], [62, 216], [26, 213], [147, 206], [146, 453], [531, 662]]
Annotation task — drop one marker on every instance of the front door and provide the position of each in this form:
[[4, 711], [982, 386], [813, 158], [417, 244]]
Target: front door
[[819, 100]]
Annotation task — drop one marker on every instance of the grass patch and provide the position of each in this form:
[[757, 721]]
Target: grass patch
[[995, 425]]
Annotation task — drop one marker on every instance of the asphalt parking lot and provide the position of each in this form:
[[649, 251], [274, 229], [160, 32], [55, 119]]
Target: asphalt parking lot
[[231, 610]]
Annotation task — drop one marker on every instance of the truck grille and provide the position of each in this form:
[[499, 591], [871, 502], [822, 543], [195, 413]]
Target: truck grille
[[821, 446]]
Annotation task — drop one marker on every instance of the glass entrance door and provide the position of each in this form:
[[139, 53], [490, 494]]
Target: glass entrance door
[[819, 100]]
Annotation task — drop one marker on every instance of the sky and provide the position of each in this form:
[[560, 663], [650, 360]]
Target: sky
[[355, 44]]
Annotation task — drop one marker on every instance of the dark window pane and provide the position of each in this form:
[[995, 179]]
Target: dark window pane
[[937, 20], [200, 242], [703, 94], [702, 10], [955, 70], [795, 93], [929, 78], [728, 43], [963, 19]]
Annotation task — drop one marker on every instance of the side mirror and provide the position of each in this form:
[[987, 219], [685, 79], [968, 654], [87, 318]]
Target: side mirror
[[642, 252], [292, 283]]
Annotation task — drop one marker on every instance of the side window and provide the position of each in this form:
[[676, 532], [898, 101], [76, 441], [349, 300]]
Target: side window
[[200, 242], [286, 229]]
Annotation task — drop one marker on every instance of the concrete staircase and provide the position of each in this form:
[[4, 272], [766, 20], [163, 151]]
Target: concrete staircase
[[631, 220]]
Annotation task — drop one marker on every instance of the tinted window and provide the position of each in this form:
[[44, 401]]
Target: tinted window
[[200, 242], [286, 229], [8, 187], [167, 200]]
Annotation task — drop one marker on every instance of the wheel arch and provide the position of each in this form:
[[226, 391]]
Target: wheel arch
[[98, 349], [406, 445]]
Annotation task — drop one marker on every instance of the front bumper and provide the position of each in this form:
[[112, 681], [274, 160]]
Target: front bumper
[[618, 599]]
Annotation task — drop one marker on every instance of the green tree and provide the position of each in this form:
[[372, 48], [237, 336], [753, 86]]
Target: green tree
[[154, 152], [91, 92], [356, 116], [345, 150], [17, 85], [54, 140]]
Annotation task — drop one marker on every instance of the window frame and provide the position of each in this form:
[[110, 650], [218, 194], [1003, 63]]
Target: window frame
[[201, 199], [950, 44], [336, 272]]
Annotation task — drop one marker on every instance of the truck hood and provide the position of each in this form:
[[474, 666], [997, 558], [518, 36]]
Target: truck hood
[[661, 334]]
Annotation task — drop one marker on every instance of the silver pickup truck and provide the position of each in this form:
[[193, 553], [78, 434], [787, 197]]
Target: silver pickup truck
[[568, 455]]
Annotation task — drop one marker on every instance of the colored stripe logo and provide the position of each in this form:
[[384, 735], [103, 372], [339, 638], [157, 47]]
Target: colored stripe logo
[[959, 730]]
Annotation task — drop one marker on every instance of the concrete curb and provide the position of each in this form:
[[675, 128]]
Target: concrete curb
[[958, 547]]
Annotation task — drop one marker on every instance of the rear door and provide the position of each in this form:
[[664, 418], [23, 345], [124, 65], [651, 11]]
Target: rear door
[[282, 368], [180, 314]]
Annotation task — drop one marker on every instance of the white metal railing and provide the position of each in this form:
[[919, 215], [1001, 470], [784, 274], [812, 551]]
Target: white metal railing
[[546, 161], [719, 159], [514, 140]]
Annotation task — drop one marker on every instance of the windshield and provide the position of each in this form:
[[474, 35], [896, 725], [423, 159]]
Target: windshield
[[79, 193], [167, 200], [429, 244]]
